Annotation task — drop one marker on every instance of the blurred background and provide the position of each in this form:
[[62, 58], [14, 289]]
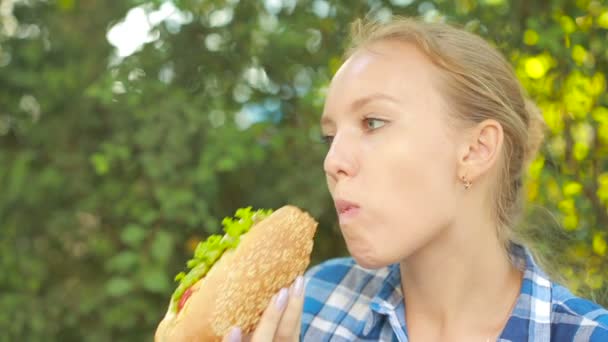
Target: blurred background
[[129, 129]]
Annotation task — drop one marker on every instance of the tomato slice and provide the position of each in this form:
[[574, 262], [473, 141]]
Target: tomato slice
[[184, 298]]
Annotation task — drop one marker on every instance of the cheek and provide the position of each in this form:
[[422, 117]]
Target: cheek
[[405, 185], [414, 190], [417, 170]]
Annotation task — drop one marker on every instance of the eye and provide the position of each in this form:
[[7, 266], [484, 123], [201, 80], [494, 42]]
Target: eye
[[327, 139], [373, 123]]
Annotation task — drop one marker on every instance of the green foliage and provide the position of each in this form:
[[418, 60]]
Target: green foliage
[[112, 171]]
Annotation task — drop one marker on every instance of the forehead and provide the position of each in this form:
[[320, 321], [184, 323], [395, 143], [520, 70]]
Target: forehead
[[393, 68]]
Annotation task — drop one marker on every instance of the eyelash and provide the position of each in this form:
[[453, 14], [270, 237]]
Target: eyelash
[[328, 139], [368, 119]]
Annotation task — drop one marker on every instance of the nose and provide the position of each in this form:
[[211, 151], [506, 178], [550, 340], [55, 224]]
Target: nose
[[340, 160]]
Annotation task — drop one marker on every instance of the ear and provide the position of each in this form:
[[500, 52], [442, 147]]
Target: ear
[[481, 150]]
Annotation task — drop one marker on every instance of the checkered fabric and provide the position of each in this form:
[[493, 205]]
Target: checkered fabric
[[345, 302]]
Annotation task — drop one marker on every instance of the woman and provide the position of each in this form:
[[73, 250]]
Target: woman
[[430, 133]]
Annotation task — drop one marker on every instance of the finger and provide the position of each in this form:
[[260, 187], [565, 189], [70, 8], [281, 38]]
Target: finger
[[290, 324], [270, 318], [234, 335]]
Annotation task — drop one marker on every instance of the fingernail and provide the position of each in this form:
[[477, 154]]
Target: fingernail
[[281, 299], [298, 286], [235, 335]]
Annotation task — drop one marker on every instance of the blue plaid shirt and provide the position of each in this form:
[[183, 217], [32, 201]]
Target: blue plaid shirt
[[345, 302]]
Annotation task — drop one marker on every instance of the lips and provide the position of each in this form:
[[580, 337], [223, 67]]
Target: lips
[[343, 206], [346, 210]]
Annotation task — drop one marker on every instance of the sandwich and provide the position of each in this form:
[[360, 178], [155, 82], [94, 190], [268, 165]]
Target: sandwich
[[232, 277]]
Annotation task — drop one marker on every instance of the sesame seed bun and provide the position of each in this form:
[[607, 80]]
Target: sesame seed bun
[[240, 285]]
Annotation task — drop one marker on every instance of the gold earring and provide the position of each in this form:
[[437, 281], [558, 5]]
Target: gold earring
[[467, 183]]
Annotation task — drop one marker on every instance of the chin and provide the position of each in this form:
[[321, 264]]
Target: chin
[[368, 260], [369, 265]]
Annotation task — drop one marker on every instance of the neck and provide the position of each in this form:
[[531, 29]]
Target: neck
[[460, 282]]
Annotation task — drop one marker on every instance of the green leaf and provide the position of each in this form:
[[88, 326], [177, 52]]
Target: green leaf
[[155, 280], [226, 164], [602, 21], [133, 235], [18, 175], [122, 262], [179, 276], [118, 286], [162, 246], [572, 188], [101, 164], [66, 5], [599, 244]]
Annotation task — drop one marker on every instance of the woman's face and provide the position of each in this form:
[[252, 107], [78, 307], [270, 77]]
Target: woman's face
[[391, 165]]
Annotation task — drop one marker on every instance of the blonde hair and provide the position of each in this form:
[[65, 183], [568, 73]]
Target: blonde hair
[[479, 84]]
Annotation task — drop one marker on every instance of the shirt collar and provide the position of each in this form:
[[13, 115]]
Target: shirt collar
[[535, 296], [533, 303], [386, 300]]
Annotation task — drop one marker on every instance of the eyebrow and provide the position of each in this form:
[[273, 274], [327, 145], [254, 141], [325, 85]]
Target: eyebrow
[[357, 104]]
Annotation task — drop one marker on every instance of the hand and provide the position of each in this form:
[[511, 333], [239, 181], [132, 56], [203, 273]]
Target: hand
[[280, 321]]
